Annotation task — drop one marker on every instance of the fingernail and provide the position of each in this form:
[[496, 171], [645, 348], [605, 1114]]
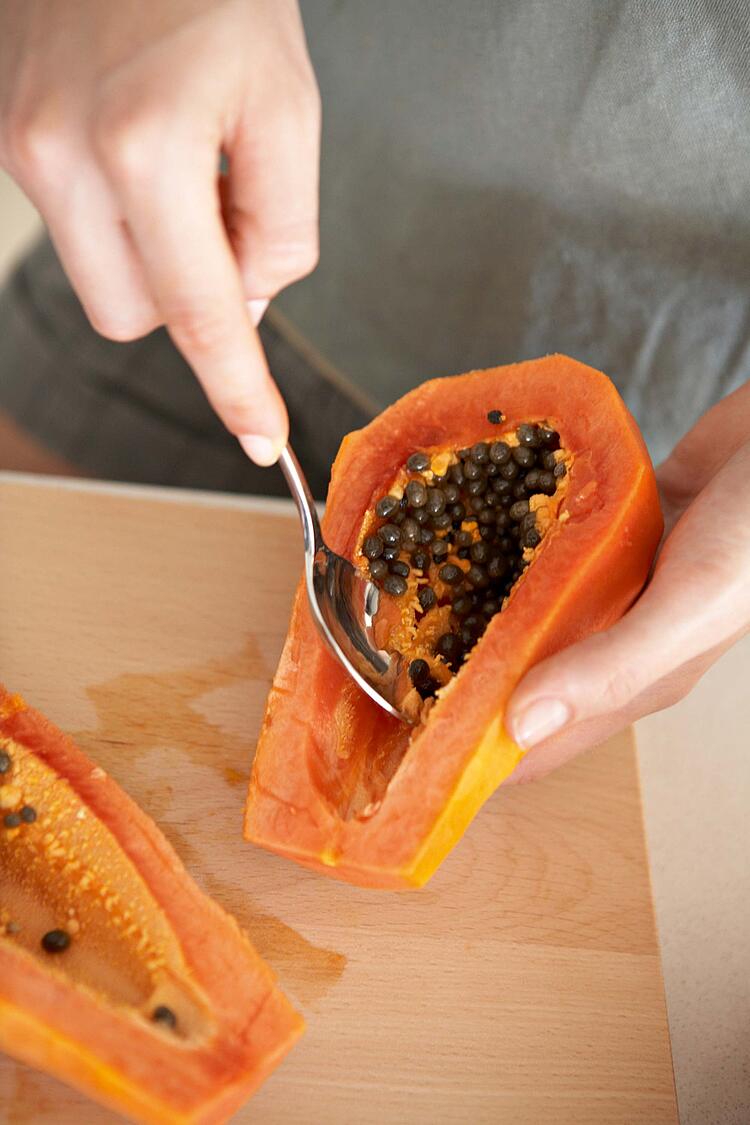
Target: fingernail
[[262, 450], [540, 720], [257, 309]]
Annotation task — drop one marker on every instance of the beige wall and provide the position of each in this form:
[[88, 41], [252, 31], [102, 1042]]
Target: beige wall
[[18, 222]]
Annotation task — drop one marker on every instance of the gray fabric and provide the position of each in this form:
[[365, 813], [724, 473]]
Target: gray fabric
[[500, 180], [505, 179], [135, 411]]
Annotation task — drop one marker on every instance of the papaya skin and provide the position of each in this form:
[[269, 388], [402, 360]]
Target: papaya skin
[[313, 768], [240, 1024]]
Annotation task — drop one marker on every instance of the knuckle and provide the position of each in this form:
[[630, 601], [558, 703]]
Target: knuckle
[[237, 413], [123, 138], [34, 139], [619, 687], [674, 693], [293, 260], [621, 681], [676, 686], [302, 102], [198, 330], [120, 329], [287, 256], [310, 106], [308, 257], [294, 118]]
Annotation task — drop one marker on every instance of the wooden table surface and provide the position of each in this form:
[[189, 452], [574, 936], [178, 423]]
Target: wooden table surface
[[522, 985]]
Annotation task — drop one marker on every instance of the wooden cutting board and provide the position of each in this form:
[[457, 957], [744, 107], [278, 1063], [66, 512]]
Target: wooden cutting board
[[522, 985]]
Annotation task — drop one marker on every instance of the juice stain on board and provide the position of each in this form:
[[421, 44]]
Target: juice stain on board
[[138, 714], [34, 1097], [28, 1099]]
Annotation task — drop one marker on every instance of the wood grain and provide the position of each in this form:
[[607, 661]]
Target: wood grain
[[522, 985]]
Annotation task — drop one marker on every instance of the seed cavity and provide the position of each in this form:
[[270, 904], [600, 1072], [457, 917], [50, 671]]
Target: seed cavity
[[456, 533]]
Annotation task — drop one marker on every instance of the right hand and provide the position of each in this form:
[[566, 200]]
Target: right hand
[[113, 118]]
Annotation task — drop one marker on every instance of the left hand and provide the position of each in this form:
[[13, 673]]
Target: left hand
[[696, 605]]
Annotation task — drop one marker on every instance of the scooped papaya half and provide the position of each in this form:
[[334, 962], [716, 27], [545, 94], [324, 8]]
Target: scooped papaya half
[[505, 514], [117, 975]]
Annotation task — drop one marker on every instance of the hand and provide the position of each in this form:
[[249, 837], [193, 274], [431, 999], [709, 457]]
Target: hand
[[113, 118], [696, 606]]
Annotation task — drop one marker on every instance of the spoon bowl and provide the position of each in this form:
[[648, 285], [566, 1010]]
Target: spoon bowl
[[344, 603]]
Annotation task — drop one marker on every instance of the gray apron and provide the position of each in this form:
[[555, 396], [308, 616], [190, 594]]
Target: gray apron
[[499, 180], [506, 178]]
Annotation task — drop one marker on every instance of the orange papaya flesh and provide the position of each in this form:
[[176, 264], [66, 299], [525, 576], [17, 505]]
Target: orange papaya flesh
[[340, 786], [117, 975]]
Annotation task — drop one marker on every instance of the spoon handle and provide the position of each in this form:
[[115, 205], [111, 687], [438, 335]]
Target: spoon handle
[[342, 602], [304, 500]]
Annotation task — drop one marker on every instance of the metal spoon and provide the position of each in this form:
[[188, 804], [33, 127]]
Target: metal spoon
[[343, 603]]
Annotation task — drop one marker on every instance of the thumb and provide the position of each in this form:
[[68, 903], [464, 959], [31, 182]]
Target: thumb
[[598, 676], [696, 604], [585, 693]]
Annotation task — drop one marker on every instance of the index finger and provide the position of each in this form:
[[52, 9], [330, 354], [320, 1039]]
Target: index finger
[[195, 283]]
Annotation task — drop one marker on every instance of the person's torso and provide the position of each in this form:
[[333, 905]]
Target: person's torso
[[501, 180]]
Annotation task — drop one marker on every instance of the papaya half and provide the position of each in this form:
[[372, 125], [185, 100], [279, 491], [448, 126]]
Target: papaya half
[[505, 514], [117, 975]]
